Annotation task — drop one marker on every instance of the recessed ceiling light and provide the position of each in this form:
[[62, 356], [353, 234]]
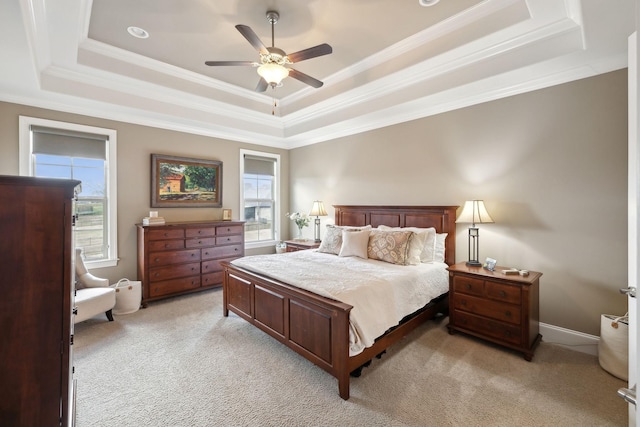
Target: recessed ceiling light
[[138, 32], [427, 3]]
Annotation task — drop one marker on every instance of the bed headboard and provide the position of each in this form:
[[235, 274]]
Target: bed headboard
[[442, 218]]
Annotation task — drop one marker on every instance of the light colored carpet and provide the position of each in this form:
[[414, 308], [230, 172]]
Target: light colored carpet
[[179, 362]]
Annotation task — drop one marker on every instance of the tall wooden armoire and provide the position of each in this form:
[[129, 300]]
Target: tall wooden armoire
[[36, 286]]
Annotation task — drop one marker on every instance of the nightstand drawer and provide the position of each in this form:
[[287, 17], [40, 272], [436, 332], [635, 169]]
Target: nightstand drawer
[[502, 292], [468, 285], [488, 327], [495, 310]]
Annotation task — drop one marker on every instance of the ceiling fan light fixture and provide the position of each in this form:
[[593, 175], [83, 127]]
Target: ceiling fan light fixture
[[427, 3], [273, 73]]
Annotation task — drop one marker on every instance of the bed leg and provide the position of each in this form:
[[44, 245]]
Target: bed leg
[[343, 386]]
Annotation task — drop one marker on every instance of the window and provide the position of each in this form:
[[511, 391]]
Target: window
[[52, 149], [259, 197]]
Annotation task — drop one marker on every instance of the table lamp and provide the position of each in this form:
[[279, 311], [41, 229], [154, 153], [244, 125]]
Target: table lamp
[[317, 210], [474, 212]]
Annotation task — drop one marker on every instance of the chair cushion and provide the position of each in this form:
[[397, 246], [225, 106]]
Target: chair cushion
[[93, 301]]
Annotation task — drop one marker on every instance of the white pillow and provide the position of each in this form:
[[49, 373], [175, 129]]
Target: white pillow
[[332, 241], [428, 241], [438, 255], [354, 243]]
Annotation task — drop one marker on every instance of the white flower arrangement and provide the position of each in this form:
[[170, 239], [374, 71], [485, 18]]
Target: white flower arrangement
[[301, 219]]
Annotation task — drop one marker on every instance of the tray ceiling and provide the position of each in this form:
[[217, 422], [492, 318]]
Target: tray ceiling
[[392, 61]]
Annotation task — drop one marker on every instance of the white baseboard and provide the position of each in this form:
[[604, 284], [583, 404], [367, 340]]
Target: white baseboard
[[570, 339]]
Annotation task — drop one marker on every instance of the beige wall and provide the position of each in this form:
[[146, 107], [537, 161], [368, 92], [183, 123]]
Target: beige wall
[[551, 166], [135, 145]]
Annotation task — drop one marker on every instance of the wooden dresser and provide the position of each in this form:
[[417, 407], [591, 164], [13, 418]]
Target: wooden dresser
[[496, 307], [36, 374], [182, 257]]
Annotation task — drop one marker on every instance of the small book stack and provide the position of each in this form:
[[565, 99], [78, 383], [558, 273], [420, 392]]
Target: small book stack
[[153, 220]]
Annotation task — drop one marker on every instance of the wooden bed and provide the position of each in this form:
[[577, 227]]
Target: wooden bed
[[317, 327]]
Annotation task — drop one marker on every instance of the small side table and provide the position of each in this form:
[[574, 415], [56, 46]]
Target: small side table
[[301, 245], [496, 307]]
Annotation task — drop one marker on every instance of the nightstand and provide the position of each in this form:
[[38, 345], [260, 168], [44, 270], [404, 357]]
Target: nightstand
[[301, 245], [496, 307]]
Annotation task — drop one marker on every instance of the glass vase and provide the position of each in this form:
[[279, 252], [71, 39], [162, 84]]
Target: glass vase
[[300, 234]]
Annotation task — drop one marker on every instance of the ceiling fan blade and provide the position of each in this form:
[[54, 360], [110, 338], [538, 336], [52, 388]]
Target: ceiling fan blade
[[227, 63], [304, 78], [252, 38], [312, 52], [262, 85]]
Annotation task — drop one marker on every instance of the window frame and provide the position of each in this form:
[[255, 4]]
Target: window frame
[[276, 213], [26, 168]]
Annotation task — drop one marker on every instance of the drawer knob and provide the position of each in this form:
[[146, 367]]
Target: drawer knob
[[463, 302], [156, 260], [503, 294], [468, 285], [507, 334], [507, 313]]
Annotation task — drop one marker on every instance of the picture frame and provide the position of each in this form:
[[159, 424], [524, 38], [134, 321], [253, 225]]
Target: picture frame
[[183, 182], [226, 214], [490, 264]]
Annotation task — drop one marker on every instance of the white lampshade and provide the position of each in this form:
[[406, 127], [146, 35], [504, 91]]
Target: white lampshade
[[474, 212], [273, 73], [318, 209]]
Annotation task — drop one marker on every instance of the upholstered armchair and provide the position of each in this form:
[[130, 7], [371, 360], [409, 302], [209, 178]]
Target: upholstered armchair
[[93, 294]]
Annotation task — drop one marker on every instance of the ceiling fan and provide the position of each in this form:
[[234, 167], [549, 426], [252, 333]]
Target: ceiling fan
[[273, 65]]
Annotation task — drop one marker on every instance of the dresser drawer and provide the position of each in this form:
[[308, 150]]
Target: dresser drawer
[[163, 245], [229, 251], [212, 279], [502, 331], [173, 257], [229, 240], [200, 243], [173, 271], [229, 229], [166, 234], [201, 232], [468, 285], [487, 308], [168, 287], [502, 292], [211, 266]]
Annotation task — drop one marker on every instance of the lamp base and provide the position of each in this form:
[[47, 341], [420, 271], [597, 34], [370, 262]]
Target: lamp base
[[474, 264]]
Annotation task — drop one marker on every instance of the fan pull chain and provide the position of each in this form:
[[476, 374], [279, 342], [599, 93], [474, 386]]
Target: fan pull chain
[[275, 104]]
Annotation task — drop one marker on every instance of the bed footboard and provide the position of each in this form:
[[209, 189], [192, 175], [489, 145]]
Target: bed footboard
[[315, 327]]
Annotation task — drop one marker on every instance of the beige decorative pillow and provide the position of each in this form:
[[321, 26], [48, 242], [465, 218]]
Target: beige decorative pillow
[[390, 246], [332, 240], [429, 242], [354, 243]]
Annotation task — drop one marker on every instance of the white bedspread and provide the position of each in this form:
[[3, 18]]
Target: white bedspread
[[381, 293]]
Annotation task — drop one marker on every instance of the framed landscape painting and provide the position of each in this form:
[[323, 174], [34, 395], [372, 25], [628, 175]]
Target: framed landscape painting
[[181, 182]]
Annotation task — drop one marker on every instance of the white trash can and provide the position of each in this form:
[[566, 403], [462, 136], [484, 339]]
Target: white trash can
[[128, 296]]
